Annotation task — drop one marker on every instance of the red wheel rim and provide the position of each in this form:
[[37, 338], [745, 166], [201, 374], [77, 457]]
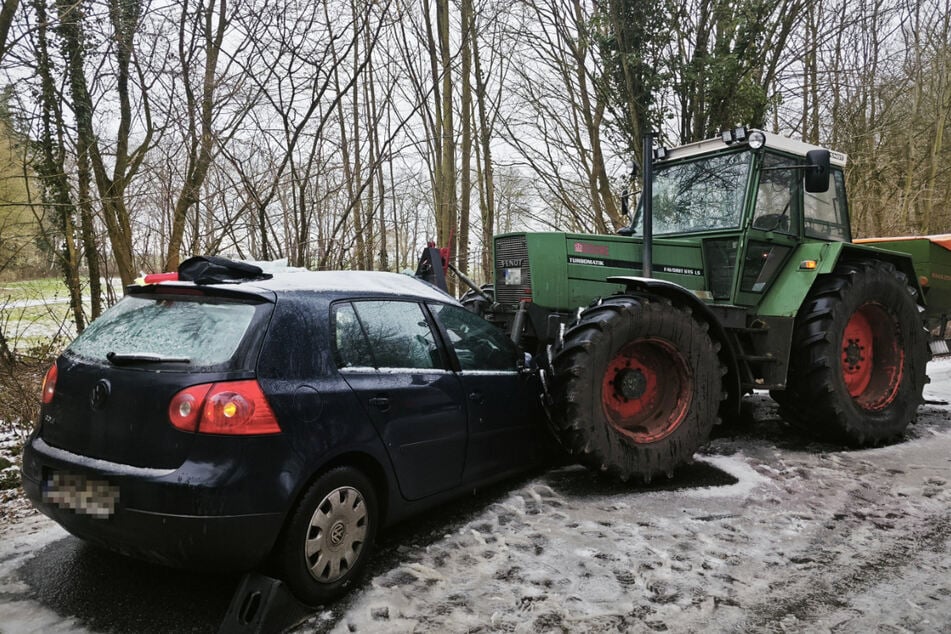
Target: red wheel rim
[[646, 390], [872, 357]]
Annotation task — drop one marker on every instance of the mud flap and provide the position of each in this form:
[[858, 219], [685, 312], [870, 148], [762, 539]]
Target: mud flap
[[262, 604]]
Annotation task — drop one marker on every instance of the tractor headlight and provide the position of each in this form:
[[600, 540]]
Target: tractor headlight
[[757, 139]]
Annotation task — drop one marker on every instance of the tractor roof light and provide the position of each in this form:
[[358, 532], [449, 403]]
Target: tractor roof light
[[808, 265], [735, 135], [757, 139]]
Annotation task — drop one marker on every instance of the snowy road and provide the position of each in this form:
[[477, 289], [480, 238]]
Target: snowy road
[[796, 537], [769, 531]]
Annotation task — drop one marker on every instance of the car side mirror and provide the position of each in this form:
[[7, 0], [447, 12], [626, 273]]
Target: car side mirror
[[817, 171]]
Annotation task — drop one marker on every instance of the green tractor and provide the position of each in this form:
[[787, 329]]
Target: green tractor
[[738, 274]]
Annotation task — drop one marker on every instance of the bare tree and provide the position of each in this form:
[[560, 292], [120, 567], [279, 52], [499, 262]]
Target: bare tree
[[555, 119], [125, 156], [201, 35], [50, 164]]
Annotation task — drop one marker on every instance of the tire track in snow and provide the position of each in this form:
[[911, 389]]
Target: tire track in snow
[[815, 598]]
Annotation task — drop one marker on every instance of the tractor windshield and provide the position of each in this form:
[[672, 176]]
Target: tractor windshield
[[699, 195]]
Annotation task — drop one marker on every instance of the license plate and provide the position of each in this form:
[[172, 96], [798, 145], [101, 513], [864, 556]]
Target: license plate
[[512, 277], [86, 496]]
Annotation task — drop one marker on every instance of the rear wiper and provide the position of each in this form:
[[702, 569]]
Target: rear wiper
[[118, 358]]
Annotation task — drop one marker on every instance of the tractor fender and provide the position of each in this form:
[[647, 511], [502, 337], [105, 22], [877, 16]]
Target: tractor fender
[[680, 295], [902, 261], [785, 296]]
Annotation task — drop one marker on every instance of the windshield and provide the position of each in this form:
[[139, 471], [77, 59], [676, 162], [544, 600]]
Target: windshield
[[154, 329], [699, 195]]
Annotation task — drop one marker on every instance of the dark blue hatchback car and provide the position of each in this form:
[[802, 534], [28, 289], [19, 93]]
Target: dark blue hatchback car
[[285, 421]]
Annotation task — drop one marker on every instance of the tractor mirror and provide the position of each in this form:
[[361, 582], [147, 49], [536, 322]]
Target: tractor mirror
[[817, 171]]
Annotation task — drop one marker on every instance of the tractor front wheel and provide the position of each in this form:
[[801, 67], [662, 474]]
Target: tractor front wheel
[[637, 385]]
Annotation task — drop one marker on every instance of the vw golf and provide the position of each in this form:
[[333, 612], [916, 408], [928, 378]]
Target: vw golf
[[281, 421]]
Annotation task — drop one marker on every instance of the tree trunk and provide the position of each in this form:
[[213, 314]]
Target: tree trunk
[[88, 233], [486, 176], [200, 151], [7, 14], [446, 207], [51, 169]]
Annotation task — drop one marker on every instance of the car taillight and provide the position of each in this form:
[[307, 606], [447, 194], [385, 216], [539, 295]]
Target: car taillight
[[232, 408], [49, 384], [185, 408]]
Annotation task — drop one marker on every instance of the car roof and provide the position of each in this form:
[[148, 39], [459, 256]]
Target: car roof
[[338, 283]]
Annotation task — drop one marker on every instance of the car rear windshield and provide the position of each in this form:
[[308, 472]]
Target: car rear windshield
[[171, 330]]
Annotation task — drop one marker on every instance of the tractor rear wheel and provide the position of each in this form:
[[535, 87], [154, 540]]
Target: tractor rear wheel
[[636, 387], [859, 353]]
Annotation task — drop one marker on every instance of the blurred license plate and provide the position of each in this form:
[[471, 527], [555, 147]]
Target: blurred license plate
[[86, 496], [512, 277]]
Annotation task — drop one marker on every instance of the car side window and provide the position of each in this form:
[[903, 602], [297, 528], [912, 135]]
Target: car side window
[[478, 344], [395, 334], [352, 349]]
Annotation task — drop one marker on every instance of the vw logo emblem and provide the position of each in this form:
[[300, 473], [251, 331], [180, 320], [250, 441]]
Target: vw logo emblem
[[99, 394]]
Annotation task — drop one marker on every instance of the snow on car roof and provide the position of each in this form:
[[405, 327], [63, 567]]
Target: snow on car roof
[[366, 282]]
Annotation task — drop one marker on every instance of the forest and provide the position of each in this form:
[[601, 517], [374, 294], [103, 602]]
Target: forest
[[347, 133]]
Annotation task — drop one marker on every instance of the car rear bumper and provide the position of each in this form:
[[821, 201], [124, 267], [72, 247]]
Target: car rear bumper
[[190, 517]]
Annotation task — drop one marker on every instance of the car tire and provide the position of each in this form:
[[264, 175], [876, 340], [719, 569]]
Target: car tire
[[859, 355], [637, 386], [330, 535]]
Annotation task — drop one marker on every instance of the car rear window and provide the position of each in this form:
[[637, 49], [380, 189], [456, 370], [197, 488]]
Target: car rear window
[[205, 331]]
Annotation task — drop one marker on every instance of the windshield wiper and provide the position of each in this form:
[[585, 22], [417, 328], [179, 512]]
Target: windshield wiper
[[118, 358]]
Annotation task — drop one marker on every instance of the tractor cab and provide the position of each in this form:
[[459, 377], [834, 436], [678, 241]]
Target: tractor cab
[[746, 201]]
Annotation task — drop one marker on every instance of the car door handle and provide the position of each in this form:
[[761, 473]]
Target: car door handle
[[477, 397], [380, 402]]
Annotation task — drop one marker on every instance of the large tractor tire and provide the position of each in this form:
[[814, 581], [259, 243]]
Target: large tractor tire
[[478, 304], [859, 352], [636, 387]]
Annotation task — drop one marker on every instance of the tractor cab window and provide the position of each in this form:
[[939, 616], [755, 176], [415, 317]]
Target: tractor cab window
[[700, 195], [826, 214], [777, 196]]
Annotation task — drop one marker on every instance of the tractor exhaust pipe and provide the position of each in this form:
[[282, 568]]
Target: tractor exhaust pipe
[[647, 198]]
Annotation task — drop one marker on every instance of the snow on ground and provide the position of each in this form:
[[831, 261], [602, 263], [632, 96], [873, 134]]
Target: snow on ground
[[13, 505], [18, 543], [801, 537], [802, 542], [768, 531]]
